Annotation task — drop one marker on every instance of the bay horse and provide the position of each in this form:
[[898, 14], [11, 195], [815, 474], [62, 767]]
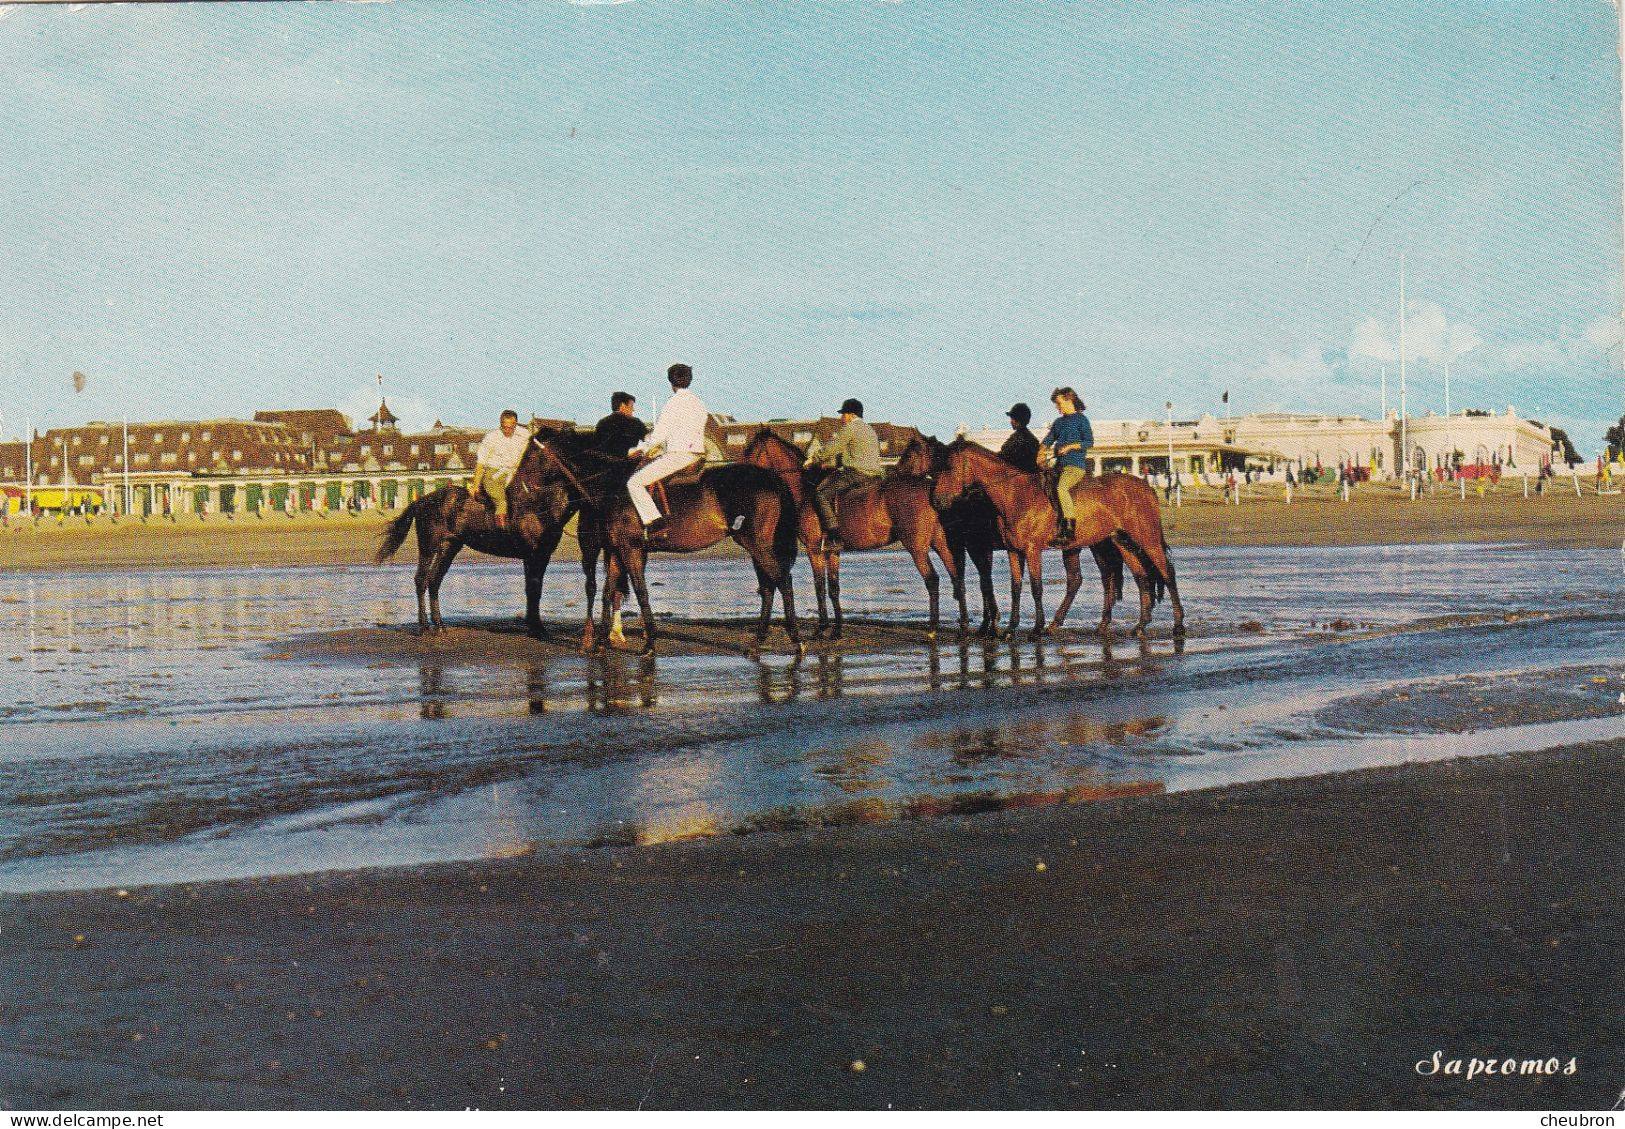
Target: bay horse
[[1118, 509], [747, 503], [894, 510], [451, 517], [972, 517]]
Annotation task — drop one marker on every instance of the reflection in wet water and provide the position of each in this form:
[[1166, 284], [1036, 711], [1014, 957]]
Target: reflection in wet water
[[169, 724]]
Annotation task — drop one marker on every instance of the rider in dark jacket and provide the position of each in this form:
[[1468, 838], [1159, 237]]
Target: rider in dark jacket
[[1021, 449], [620, 431]]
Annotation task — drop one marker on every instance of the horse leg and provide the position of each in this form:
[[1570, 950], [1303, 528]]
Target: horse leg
[[1142, 580], [832, 565], [535, 570], [437, 573], [637, 560], [758, 540], [928, 573], [420, 581], [953, 560], [612, 577], [1110, 563], [765, 589], [820, 567], [1035, 579], [617, 634], [533, 598], [1018, 565], [982, 557], [1074, 581], [589, 577], [1165, 564]]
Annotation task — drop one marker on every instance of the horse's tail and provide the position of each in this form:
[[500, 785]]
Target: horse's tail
[[786, 534], [395, 532], [1159, 582]]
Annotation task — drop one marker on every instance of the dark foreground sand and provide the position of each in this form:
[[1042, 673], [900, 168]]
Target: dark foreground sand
[[1376, 515], [1292, 944]]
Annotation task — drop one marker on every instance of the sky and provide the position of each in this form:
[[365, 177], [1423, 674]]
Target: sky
[[940, 208]]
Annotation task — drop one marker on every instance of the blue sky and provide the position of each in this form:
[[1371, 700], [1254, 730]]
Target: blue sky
[[939, 208]]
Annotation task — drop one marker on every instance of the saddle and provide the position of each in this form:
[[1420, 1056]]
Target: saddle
[[688, 476]]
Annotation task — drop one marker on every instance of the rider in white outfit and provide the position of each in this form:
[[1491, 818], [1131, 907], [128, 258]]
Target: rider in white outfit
[[678, 436]]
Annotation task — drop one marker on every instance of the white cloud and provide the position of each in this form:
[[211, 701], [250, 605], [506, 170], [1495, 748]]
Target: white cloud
[[1371, 341], [1604, 333], [1429, 336], [1523, 355], [415, 414], [1300, 377]]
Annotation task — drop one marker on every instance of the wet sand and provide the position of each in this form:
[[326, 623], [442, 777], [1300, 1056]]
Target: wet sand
[[1289, 944], [1375, 516]]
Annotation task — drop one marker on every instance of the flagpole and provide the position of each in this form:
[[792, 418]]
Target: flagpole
[[126, 464], [1404, 421], [28, 463], [1449, 440]]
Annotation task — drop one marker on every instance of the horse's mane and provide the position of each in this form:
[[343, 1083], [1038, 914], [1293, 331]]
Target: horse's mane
[[767, 434], [989, 459]]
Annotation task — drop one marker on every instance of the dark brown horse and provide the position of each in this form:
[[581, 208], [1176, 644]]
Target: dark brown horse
[[747, 503], [449, 518], [894, 510], [1116, 509]]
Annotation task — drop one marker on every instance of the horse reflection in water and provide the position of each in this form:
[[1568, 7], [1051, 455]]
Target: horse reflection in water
[[613, 686]]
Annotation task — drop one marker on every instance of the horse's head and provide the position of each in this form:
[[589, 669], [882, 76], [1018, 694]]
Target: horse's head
[[918, 457], [553, 457], [768, 449], [950, 469]]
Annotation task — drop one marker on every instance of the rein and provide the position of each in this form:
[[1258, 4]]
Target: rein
[[569, 475]]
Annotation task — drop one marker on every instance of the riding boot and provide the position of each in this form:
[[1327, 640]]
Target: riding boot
[[1064, 533], [832, 539]]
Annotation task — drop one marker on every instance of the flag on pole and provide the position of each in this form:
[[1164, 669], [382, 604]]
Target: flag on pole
[[78, 382], [1225, 399]]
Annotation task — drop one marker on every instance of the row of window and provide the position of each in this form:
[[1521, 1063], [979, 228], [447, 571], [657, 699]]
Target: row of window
[[106, 438]]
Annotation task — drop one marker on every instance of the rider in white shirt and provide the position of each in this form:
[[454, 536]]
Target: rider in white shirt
[[496, 461], [679, 437]]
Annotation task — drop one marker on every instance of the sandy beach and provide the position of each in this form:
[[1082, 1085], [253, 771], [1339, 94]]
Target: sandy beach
[[1374, 516], [996, 876], [1292, 944]]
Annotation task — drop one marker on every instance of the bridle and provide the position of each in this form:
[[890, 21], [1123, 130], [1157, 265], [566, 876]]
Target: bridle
[[564, 469]]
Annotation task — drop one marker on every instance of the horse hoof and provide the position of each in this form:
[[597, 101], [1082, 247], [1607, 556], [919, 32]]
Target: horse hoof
[[648, 649], [801, 650], [1179, 631], [931, 636]]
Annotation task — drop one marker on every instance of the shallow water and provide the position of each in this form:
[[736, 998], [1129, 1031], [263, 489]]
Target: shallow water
[[190, 725]]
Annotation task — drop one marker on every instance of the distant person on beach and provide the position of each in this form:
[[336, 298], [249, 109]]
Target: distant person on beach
[[621, 430], [1068, 442], [679, 438], [497, 459], [855, 455], [1021, 449]]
